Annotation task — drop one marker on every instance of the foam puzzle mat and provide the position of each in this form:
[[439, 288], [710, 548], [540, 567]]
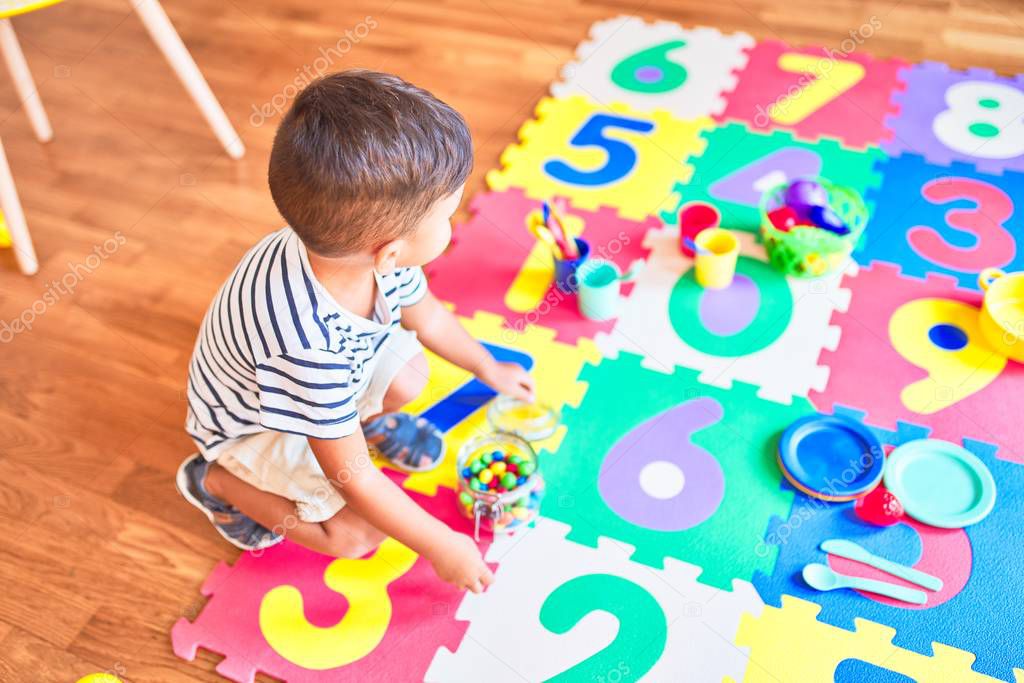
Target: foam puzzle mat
[[669, 546]]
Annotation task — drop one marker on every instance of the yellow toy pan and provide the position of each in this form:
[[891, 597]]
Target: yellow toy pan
[[1002, 313]]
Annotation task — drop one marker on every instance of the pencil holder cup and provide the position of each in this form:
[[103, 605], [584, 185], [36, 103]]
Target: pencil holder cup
[[565, 269], [715, 263]]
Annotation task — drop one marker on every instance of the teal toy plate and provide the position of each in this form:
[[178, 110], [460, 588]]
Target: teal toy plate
[[940, 483]]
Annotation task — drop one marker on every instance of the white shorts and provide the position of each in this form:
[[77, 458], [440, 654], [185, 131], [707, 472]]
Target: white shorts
[[284, 464]]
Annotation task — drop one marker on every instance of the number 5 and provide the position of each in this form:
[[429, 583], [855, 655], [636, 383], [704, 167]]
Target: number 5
[[621, 155]]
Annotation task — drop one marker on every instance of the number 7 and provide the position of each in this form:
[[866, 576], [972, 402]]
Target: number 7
[[824, 87]]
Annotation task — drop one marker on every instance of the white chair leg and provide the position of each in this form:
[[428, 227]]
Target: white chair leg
[[23, 83], [167, 39], [15, 217]]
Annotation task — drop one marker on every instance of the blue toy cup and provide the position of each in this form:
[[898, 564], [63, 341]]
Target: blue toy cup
[[565, 269]]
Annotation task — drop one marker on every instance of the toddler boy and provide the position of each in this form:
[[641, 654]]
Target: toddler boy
[[313, 342]]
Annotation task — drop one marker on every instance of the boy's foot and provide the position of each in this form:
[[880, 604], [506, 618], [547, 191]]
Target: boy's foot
[[408, 442], [236, 528]]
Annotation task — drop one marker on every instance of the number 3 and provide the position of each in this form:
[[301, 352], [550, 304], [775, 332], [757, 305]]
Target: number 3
[[995, 245], [983, 120], [621, 155]]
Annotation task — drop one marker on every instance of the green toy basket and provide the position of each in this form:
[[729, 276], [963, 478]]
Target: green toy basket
[[809, 251]]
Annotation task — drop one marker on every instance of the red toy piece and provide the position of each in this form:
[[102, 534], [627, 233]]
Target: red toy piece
[[784, 218], [880, 507]]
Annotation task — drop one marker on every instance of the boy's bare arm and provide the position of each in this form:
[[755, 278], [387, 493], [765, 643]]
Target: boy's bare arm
[[441, 332], [378, 500]]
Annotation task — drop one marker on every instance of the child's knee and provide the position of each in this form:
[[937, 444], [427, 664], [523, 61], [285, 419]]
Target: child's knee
[[408, 384]]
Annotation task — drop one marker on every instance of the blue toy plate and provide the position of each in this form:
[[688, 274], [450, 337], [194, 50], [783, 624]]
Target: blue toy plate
[[831, 457], [940, 483]]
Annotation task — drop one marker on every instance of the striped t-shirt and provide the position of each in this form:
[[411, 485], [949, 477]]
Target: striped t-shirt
[[277, 352]]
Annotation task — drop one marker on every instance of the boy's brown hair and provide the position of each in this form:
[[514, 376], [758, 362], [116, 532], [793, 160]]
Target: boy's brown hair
[[361, 156]]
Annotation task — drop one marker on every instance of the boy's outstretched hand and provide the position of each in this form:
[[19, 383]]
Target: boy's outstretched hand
[[509, 379], [458, 562]]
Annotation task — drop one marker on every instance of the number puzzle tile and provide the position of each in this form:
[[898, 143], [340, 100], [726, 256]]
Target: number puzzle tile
[[297, 615], [959, 223], [562, 611], [671, 467], [815, 93], [915, 375], [971, 116], [788, 644], [738, 166], [971, 562], [655, 66], [517, 277], [765, 329], [556, 367], [600, 155]]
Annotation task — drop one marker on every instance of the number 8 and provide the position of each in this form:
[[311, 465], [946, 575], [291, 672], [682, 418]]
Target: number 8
[[982, 120]]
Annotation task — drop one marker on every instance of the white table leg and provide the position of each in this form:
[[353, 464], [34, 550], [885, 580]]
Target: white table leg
[[167, 39], [23, 83], [15, 217]]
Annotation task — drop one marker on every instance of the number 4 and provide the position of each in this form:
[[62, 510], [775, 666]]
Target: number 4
[[824, 86]]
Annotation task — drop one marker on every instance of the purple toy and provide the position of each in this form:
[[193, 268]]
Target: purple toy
[[803, 195]]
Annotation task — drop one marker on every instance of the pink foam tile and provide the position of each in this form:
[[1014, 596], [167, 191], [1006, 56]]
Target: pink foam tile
[[856, 117], [422, 620], [868, 374], [490, 249]]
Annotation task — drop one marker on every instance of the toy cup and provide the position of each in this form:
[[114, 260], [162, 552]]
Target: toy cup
[[715, 263], [598, 292], [695, 217], [1002, 312], [565, 269]]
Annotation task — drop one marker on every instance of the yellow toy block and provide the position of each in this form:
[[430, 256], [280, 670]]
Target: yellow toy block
[[601, 155], [556, 367], [790, 644]]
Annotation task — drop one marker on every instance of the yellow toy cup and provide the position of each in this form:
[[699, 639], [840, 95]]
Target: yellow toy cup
[[1002, 313], [715, 262]]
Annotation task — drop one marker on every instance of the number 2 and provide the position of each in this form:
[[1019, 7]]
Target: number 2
[[822, 89], [643, 629], [621, 156]]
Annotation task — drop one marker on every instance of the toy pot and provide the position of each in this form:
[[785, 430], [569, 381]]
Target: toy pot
[[695, 217], [1002, 312], [715, 262], [565, 269]]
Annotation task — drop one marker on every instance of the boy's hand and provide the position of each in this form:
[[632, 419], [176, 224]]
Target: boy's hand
[[458, 562], [509, 379]]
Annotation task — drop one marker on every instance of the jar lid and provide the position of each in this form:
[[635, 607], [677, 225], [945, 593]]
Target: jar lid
[[529, 421]]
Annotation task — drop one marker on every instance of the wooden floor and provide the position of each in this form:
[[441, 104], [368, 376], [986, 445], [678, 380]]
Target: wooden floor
[[99, 555]]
